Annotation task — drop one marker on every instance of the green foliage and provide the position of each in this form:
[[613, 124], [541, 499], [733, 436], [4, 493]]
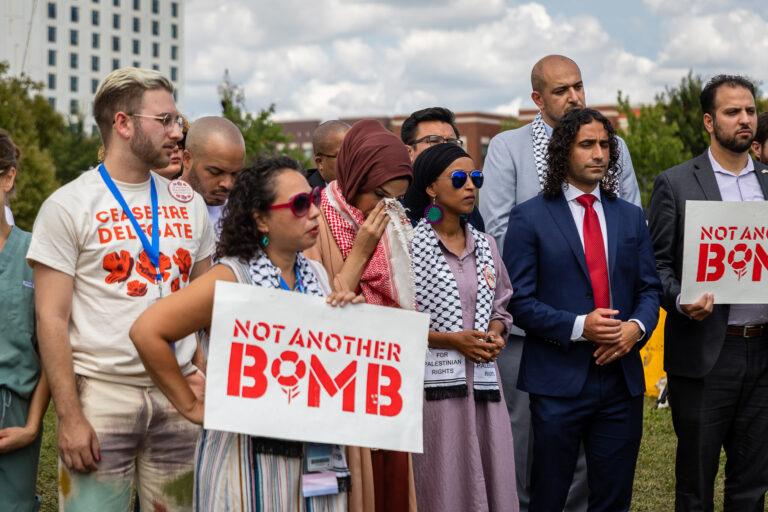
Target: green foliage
[[681, 106], [510, 123], [653, 143], [263, 137], [74, 151]]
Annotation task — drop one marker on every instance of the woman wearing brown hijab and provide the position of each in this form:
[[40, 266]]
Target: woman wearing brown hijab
[[363, 244]]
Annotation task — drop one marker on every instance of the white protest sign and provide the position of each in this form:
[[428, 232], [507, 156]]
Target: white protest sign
[[725, 252], [286, 365]]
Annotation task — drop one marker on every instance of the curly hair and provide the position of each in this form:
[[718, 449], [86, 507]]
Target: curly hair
[[559, 152], [253, 191], [10, 155]]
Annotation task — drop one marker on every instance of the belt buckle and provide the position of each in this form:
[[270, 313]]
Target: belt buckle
[[758, 327]]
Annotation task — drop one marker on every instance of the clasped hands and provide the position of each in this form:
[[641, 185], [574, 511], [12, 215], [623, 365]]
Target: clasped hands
[[478, 346], [613, 337]]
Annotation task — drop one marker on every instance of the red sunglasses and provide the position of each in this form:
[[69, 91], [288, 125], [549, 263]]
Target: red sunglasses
[[300, 203]]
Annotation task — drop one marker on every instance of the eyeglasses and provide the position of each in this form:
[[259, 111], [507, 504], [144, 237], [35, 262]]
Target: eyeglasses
[[459, 178], [438, 139], [300, 203], [168, 121], [326, 155]]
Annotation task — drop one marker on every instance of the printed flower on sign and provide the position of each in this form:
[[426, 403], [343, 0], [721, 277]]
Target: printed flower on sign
[[145, 268], [288, 369], [175, 285], [137, 289], [184, 262], [118, 265]]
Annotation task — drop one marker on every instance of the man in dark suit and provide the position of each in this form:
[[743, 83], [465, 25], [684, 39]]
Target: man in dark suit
[[715, 355], [326, 141], [585, 316]]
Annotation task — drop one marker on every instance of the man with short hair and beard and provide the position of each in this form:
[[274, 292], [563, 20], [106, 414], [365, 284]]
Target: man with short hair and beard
[[587, 294], [104, 248], [760, 144], [214, 154], [715, 355], [515, 170]]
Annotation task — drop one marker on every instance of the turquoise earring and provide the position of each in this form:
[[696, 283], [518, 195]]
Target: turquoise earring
[[433, 213], [265, 241]]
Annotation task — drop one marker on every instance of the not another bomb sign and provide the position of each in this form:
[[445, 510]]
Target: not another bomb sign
[[725, 252], [286, 365]]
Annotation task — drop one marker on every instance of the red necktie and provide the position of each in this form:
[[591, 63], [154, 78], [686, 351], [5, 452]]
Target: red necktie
[[594, 251]]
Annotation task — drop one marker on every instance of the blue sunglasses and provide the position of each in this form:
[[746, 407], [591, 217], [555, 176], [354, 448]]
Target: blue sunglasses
[[459, 178]]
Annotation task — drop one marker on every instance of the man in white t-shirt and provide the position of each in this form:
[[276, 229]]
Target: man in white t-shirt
[[214, 154], [104, 248]]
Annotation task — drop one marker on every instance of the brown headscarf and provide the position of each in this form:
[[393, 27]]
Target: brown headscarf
[[370, 156]]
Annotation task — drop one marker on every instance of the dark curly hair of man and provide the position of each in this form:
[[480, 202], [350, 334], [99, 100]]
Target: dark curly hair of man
[[559, 152], [253, 191]]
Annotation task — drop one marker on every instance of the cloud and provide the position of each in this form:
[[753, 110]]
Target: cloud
[[334, 58]]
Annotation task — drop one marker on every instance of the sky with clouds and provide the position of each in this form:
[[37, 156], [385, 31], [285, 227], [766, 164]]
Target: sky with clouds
[[323, 59]]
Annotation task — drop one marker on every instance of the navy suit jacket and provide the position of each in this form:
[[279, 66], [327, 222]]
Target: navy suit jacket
[[546, 264]]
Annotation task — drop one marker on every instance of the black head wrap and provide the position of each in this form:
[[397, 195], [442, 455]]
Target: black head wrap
[[428, 166]]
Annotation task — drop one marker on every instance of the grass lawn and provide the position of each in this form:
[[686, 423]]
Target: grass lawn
[[654, 478]]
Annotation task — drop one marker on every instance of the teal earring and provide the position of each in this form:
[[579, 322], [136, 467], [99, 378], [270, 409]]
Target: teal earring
[[265, 241], [433, 213]]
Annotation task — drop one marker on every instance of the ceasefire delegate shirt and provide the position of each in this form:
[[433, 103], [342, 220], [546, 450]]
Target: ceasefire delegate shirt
[[81, 230]]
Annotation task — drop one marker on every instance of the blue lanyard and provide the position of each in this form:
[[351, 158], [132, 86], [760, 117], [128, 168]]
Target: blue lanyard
[[152, 250], [299, 284]]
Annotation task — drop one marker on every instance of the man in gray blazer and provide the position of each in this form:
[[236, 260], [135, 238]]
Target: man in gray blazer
[[715, 355], [514, 172]]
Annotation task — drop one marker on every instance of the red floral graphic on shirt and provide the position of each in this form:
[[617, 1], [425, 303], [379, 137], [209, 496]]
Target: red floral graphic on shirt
[[184, 261], [118, 265], [145, 268], [175, 285], [137, 289]]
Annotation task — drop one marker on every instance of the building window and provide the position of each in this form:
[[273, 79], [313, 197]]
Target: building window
[[94, 85], [155, 50], [73, 107], [73, 37], [51, 34], [51, 81], [51, 57], [174, 31], [95, 18], [155, 28], [73, 84], [174, 74], [136, 25], [155, 6], [74, 14], [94, 63], [136, 64], [73, 61], [174, 52], [155, 67], [115, 64], [136, 5], [52, 102], [51, 10], [116, 21], [175, 9], [175, 96], [115, 44], [116, 3], [95, 42], [135, 46]]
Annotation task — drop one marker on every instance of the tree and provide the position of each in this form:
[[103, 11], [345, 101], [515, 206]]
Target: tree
[[74, 151], [653, 142], [681, 106], [263, 137]]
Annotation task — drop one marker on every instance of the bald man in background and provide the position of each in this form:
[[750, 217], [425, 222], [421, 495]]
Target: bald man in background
[[326, 141], [214, 154]]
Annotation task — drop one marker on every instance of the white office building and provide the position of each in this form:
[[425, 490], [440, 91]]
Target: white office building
[[71, 45]]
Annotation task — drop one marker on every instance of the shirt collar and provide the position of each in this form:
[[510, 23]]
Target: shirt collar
[[750, 167], [547, 129], [571, 192], [469, 244]]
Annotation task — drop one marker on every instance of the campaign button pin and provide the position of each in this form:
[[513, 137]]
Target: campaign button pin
[[490, 277], [181, 190]]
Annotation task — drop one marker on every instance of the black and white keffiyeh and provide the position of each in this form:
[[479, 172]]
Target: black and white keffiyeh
[[540, 141], [264, 273], [438, 295]]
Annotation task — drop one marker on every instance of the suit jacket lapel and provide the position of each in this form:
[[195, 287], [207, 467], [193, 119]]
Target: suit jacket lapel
[[762, 176], [705, 175], [612, 226], [562, 216]]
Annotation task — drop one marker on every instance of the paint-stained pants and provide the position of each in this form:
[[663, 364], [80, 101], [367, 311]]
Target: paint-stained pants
[[142, 437]]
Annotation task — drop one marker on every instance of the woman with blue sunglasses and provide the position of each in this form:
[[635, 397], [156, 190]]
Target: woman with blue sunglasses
[[461, 282]]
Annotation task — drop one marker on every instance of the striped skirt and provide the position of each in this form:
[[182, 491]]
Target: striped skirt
[[229, 476]]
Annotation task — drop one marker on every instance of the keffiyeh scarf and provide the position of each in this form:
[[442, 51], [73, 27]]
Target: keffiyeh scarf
[[438, 295]]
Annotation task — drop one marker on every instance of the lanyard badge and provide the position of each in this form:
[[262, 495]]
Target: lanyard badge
[[299, 284], [152, 249]]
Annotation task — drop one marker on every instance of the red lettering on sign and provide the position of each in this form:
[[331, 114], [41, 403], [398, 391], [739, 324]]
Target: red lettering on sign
[[706, 262], [235, 365], [345, 381], [761, 260], [375, 391]]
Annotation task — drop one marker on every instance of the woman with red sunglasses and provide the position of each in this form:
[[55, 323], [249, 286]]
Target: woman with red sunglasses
[[271, 217], [363, 243], [462, 283]]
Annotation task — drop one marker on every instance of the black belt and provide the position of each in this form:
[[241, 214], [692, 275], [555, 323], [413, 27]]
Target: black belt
[[747, 331]]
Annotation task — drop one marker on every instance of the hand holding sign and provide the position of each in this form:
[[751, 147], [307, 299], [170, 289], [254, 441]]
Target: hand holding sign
[[700, 309]]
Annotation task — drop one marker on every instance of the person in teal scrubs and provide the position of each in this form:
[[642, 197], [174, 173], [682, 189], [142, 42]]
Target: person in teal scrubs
[[24, 392]]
